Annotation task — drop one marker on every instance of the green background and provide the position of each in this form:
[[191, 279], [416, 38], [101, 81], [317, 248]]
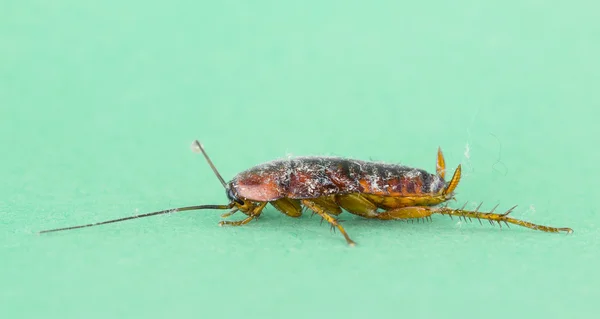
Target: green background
[[100, 101]]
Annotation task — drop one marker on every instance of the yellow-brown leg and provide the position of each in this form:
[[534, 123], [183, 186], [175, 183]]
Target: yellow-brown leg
[[229, 213], [290, 207], [321, 212], [328, 204], [357, 204], [252, 215], [498, 218], [405, 213], [424, 212]]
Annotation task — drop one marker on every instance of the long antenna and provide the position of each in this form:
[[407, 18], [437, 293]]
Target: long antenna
[[167, 211], [197, 147]]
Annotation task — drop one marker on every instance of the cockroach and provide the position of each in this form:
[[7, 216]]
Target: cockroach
[[326, 185]]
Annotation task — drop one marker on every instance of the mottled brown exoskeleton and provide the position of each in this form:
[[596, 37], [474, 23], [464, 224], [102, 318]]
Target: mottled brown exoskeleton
[[328, 185]]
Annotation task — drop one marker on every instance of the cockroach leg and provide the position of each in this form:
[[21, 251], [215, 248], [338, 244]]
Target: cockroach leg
[[229, 213], [406, 213], [321, 212], [237, 223], [499, 218], [290, 207], [328, 204], [255, 213], [357, 204]]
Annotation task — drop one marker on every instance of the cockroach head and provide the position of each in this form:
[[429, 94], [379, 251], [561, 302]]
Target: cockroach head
[[238, 203], [232, 195]]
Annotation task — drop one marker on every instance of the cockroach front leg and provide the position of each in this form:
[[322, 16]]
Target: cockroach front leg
[[237, 223], [252, 215], [229, 213], [321, 212]]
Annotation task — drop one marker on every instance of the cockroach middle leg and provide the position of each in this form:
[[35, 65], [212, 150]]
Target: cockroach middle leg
[[498, 218], [289, 207], [321, 212], [252, 215], [357, 204]]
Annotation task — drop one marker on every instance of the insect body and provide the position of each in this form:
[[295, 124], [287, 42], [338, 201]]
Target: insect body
[[326, 185]]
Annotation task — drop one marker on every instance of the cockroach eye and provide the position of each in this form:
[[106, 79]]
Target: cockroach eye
[[232, 197]]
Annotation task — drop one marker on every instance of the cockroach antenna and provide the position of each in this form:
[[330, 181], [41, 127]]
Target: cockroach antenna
[[196, 147], [167, 211]]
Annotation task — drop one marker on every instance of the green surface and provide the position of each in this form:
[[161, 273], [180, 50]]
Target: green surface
[[99, 102]]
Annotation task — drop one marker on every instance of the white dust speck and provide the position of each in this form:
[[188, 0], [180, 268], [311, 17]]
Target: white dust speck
[[467, 155], [413, 173], [375, 183], [530, 210], [196, 147], [436, 180]]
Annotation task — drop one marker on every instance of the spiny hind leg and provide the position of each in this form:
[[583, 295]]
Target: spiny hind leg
[[252, 215], [321, 212], [498, 218], [413, 212], [425, 212]]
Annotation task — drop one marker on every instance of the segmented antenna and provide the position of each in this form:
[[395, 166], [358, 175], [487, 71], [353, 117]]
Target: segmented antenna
[[198, 148]]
